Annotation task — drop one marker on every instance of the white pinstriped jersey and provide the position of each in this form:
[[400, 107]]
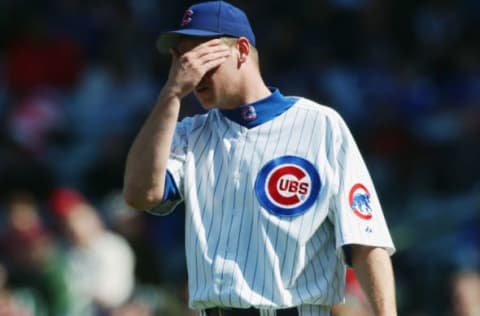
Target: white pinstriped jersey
[[269, 208]]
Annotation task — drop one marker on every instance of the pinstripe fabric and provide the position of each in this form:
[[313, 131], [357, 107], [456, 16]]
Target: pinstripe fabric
[[240, 254], [267, 313]]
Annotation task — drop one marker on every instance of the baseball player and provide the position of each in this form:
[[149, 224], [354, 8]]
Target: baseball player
[[278, 199]]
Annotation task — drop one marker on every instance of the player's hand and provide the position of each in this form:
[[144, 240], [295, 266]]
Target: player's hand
[[188, 69]]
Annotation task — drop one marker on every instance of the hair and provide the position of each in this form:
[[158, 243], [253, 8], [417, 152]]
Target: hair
[[231, 41]]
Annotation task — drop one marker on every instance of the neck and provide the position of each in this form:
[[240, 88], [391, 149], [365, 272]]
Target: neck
[[260, 92], [253, 89]]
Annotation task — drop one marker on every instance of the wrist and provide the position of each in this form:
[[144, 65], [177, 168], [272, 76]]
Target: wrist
[[167, 104], [171, 92], [174, 89], [169, 96]]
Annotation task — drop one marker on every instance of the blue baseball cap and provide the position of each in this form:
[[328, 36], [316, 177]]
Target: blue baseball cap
[[211, 18]]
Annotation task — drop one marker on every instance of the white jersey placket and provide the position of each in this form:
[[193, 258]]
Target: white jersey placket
[[224, 260]]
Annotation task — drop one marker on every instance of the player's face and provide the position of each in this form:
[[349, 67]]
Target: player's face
[[217, 87]]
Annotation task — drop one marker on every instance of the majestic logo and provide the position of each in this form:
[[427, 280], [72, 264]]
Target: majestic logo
[[359, 199], [249, 113], [287, 185], [187, 17]]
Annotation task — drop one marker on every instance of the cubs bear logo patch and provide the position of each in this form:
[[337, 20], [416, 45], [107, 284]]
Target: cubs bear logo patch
[[359, 200]]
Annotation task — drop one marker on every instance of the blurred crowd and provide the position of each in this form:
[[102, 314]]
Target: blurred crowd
[[78, 78]]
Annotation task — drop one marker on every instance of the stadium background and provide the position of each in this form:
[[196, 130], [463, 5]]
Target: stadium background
[[78, 77]]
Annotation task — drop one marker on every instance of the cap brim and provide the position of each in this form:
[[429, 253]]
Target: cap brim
[[170, 39]]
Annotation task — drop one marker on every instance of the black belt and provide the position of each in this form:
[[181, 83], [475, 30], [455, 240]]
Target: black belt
[[248, 312]]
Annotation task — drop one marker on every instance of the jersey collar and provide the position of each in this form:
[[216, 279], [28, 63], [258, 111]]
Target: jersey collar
[[261, 111]]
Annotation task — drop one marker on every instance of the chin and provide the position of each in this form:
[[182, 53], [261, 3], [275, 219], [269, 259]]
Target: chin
[[206, 103]]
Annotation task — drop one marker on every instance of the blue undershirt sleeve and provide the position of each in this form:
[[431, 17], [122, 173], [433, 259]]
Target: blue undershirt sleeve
[[347, 251], [171, 191]]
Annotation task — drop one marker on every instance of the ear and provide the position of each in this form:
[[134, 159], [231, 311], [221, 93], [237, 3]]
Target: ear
[[243, 46]]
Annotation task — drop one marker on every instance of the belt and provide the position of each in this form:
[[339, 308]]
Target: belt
[[248, 312]]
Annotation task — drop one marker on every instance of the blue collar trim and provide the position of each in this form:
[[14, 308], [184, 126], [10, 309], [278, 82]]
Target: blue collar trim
[[261, 111]]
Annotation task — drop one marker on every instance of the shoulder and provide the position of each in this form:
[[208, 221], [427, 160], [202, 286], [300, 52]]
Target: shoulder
[[315, 108], [191, 123], [328, 120]]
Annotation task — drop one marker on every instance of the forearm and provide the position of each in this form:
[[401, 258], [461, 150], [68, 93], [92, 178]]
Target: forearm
[[146, 165], [374, 271], [147, 159]]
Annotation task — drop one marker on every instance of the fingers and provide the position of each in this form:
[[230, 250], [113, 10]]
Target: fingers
[[211, 64], [208, 47], [213, 57], [188, 68], [208, 44], [203, 51], [205, 56]]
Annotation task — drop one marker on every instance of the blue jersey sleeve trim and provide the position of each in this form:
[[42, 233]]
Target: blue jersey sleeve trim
[[347, 253], [171, 191]]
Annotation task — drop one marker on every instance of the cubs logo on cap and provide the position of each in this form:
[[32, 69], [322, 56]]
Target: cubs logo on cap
[[359, 200], [287, 186], [209, 19], [187, 17]]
